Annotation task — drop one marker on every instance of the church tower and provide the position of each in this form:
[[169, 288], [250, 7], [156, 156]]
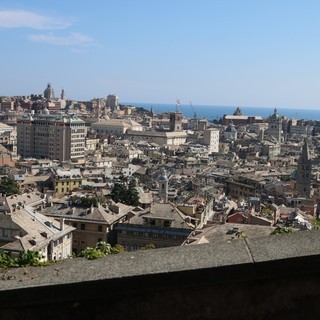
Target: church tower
[[163, 186], [63, 95], [304, 171], [275, 126], [175, 121]]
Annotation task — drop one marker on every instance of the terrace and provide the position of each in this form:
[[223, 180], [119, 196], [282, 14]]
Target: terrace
[[275, 277]]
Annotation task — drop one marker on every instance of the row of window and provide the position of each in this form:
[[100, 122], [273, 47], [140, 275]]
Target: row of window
[[145, 235], [83, 226]]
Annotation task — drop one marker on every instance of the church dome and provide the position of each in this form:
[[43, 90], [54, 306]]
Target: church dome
[[163, 175], [231, 128], [49, 92], [275, 115]]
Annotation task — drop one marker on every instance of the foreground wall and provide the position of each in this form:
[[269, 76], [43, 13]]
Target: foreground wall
[[268, 278]]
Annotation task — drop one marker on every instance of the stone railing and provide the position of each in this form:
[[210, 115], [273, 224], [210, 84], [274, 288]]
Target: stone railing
[[276, 277]]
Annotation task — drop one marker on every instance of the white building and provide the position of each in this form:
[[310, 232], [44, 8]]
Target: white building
[[211, 139]]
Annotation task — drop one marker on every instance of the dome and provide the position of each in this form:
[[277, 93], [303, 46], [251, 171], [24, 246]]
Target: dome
[[231, 128], [163, 175], [275, 115], [49, 92]]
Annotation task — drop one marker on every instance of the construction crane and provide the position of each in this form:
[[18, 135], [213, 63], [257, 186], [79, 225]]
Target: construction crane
[[195, 116]]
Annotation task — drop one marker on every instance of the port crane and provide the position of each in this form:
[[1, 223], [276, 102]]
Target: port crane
[[195, 116]]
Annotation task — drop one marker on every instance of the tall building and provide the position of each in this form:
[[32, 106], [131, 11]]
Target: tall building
[[57, 137], [211, 139], [304, 171], [112, 102]]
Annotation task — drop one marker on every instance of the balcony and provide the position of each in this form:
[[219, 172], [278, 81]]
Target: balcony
[[276, 277]]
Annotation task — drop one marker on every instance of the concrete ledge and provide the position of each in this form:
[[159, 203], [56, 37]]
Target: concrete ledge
[[273, 276]]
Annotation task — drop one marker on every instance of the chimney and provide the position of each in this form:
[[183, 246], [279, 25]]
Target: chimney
[[61, 223]]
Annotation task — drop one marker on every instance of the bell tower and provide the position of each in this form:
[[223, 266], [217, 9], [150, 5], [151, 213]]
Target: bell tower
[[175, 121], [275, 126], [304, 171], [163, 186]]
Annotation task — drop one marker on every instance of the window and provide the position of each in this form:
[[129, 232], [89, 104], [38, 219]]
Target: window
[[152, 222], [5, 233], [166, 223], [99, 228], [83, 226], [75, 225]]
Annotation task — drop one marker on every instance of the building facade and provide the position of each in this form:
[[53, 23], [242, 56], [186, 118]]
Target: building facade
[[65, 181], [57, 137], [211, 139], [112, 102], [115, 127], [23, 228]]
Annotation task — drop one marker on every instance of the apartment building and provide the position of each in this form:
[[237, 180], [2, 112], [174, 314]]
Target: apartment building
[[23, 228], [57, 137], [65, 180]]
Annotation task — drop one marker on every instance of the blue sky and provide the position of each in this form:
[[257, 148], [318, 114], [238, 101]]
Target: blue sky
[[218, 52]]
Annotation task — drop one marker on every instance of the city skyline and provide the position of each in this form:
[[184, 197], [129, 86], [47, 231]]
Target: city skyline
[[211, 52]]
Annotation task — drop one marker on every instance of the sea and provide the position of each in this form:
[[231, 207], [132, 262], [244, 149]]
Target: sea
[[214, 112]]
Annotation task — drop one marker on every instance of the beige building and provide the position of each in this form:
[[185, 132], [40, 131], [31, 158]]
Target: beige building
[[57, 137], [161, 225], [23, 228], [115, 127], [92, 224], [159, 137]]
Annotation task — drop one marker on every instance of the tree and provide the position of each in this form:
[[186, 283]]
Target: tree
[[9, 186], [127, 195], [117, 192]]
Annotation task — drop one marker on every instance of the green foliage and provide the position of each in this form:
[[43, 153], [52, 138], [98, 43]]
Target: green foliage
[[149, 246], [101, 249], [281, 230], [92, 253], [316, 223], [241, 235], [127, 195], [29, 258], [25, 259], [9, 186], [85, 201], [118, 248], [6, 261]]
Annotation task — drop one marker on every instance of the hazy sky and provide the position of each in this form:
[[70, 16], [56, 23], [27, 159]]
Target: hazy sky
[[218, 52]]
